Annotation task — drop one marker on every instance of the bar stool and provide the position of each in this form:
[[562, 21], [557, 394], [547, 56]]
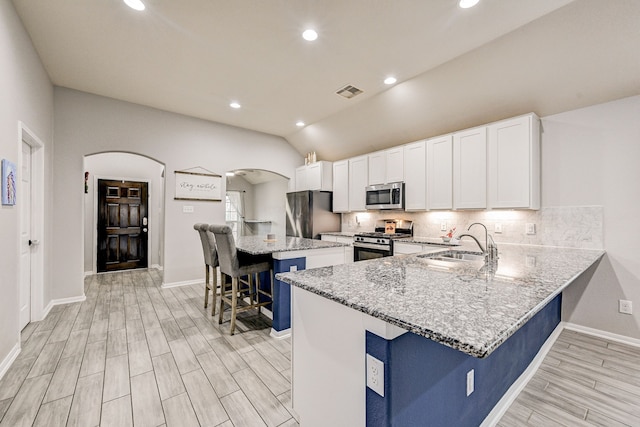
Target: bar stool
[[238, 265], [210, 260]]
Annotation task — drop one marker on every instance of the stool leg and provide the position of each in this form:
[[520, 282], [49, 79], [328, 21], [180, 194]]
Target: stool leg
[[258, 292], [206, 286], [223, 291], [214, 289], [234, 303]]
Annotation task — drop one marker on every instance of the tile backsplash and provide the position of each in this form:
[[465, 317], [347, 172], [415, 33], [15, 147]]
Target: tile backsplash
[[567, 226]]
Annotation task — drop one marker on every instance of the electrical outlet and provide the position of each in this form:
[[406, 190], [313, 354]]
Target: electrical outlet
[[470, 382], [530, 228], [443, 226], [375, 375], [530, 261], [625, 306], [187, 209], [498, 227], [293, 268]]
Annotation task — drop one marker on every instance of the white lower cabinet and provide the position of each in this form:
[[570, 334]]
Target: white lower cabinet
[[348, 251]]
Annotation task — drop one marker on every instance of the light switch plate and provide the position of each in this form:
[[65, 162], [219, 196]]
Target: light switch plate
[[530, 228], [498, 227], [625, 306], [443, 226]]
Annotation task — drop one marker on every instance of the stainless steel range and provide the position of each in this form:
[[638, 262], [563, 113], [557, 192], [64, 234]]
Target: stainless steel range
[[379, 243]]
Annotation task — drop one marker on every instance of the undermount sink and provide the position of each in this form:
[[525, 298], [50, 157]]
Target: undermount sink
[[455, 257]]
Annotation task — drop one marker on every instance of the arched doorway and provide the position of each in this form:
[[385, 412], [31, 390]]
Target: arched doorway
[[106, 167]]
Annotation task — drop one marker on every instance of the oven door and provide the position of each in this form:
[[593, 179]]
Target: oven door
[[365, 251]]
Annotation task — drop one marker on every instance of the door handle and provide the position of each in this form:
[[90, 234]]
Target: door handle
[[145, 221], [34, 242]]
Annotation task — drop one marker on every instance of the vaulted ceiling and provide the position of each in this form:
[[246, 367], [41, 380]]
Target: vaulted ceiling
[[456, 68]]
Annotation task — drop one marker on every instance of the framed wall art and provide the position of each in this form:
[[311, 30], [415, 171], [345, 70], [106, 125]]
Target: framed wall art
[[198, 186], [9, 186]]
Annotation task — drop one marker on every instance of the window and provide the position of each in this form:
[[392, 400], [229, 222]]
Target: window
[[234, 212]]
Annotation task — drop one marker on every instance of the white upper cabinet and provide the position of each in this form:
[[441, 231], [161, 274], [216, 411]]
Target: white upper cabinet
[[514, 163], [341, 186], [440, 172], [358, 173], [377, 168], [386, 166], [470, 169], [395, 164], [415, 180], [316, 176]]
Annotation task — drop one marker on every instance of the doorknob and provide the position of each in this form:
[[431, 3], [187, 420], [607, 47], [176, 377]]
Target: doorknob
[[34, 242]]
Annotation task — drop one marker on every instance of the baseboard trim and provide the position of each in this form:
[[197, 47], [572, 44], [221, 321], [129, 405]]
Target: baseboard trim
[[603, 334], [280, 335], [11, 357], [88, 273], [60, 301], [507, 399], [185, 283], [157, 267]]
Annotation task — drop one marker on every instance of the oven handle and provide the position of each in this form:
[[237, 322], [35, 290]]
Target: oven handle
[[372, 246]]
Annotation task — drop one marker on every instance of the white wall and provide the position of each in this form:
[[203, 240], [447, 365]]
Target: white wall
[[27, 96], [270, 201], [86, 124], [130, 167], [591, 156]]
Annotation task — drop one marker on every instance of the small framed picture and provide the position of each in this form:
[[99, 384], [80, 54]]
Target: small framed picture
[[9, 179]]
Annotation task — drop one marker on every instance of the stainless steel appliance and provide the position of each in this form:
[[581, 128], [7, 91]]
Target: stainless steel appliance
[[309, 213], [379, 243], [385, 196]]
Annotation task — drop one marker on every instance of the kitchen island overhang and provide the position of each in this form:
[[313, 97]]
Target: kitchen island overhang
[[472, 314]]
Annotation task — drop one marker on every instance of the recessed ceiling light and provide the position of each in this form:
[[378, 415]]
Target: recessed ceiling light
[[235, 105], [135, 4], [300, 123], [390, 80], [309, 35], [466, 4]]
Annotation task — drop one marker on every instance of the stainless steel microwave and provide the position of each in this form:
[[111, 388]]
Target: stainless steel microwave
[[385, 196]]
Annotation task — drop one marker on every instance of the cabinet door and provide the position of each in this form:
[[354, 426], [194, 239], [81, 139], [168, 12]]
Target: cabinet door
[[514, 163], [416, 176], [377, 168], [470, 169], [314, 176], [440, 173], [341, 186], [301, 178], [357, 182], [395, 164]]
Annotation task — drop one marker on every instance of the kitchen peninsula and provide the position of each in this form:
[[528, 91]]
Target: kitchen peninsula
[[290, 254], [433, 325]]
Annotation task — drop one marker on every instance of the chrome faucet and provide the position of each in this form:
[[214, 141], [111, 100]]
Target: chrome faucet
[[490, 250]]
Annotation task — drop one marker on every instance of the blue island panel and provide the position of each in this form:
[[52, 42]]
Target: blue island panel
[[425, 382], [282, 292]]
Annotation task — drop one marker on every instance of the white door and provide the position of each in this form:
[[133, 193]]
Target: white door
[[25, 236]]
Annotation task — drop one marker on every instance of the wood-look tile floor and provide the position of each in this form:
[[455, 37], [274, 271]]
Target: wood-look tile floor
[[583, 381], [136, 354]]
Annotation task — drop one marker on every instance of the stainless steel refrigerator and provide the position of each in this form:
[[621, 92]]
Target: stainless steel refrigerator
[[309, 214]]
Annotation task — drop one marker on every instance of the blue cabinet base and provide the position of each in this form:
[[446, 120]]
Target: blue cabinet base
[[282, 292], [425, 382]]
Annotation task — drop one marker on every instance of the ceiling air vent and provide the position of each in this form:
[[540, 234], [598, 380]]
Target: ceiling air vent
[[349, 91]]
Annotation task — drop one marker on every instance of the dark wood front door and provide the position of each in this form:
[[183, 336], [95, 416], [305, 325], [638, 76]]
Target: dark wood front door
[[122, 225]]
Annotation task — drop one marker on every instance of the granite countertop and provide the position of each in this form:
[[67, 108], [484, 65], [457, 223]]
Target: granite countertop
[[468, 308], [340, 233], [258, 245]]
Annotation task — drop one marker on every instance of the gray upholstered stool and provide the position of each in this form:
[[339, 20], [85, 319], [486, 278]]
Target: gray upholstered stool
[[210, 260], [238, 265]]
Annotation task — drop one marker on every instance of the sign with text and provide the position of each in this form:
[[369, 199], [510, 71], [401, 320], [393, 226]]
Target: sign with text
[[198, 186]]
